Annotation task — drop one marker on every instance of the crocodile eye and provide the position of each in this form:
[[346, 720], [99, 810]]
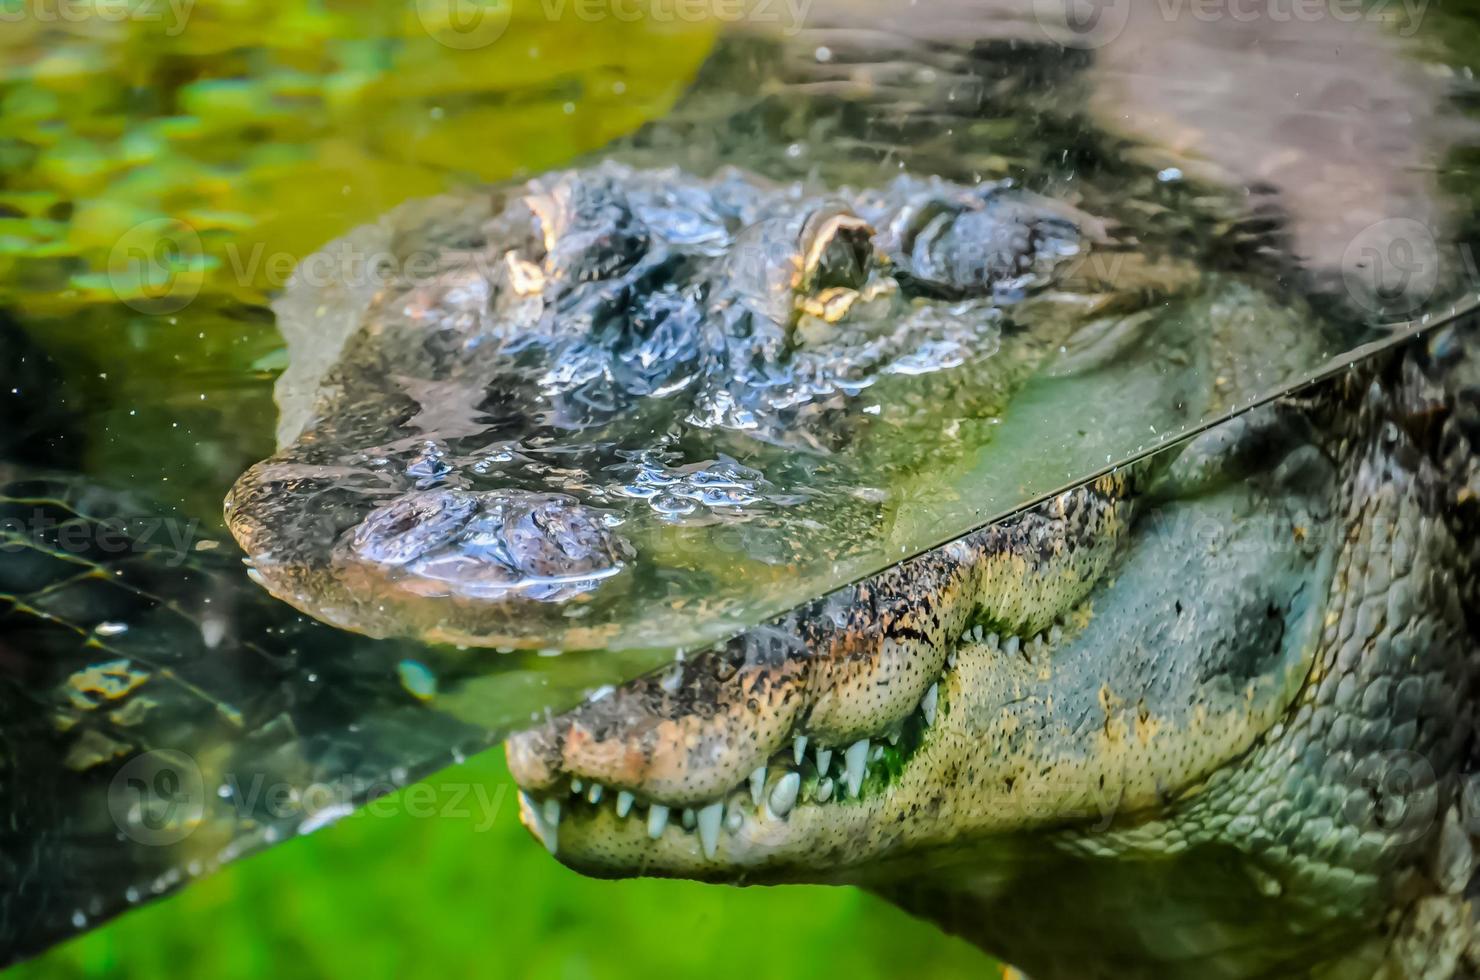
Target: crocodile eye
[[837, 251], [793, 269]]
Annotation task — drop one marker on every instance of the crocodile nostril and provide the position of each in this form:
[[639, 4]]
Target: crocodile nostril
[[488, 545], [412, 525]]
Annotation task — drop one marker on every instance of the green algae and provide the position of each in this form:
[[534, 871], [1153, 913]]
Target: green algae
[[152, 162]]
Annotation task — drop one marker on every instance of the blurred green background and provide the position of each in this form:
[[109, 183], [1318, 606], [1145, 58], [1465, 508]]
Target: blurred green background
[[448, 883], [224, 140]]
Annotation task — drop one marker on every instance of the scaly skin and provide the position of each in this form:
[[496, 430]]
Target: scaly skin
[[1242, 748]]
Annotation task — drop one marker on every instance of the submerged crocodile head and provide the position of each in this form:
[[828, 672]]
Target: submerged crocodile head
[[1216, 708], [553, 380]]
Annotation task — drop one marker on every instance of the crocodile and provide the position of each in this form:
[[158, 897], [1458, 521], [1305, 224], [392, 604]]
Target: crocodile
[[572, 365], [801, 298], [1208, 715], [739, 344], [1223, 694]]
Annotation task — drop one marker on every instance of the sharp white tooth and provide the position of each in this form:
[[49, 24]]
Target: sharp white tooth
[[799, 749], [624, 802], [734, 816], [824, 759], [657, 820], [976, 633], [876, 753], [784, 794], [824, 790], [550, 823], [928, 702], [537, 819], [1037, 642], [993, 642], [1012, 646], [593, 795], [576, 785], [855, 764], [757, 784], [688, 818], [1056, 634], [951, 660], [709, 819]]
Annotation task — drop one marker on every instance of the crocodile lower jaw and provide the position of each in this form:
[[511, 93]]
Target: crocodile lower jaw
[[811, 806]]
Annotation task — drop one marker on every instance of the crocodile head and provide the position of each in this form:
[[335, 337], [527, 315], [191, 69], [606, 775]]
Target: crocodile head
[[554, 378], [1220, 701]]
